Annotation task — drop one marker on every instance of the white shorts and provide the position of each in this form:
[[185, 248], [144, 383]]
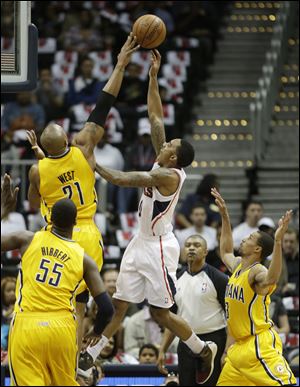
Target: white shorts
[[148, 270]]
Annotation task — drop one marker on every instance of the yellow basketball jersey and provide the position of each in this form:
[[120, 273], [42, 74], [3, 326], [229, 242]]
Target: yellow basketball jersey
[[68, 176], [247, 312], [51, 271]]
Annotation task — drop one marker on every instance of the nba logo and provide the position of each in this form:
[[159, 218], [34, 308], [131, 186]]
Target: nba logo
[[204, 287], [166, 300]]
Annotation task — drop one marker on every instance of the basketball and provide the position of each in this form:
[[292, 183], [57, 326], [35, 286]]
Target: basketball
[[150, 31]]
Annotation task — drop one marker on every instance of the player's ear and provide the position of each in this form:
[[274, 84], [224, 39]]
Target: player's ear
[[173, 157]]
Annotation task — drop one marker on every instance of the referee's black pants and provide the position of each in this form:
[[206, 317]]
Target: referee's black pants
[[187, 363]]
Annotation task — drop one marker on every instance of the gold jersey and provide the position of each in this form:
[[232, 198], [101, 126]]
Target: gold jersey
[[247, 312], [68, 176], [51, 271]]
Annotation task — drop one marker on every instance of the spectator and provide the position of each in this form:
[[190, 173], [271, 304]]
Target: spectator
[[82, 36], [202, 195], [279, 315], [253, 211], [109, 156], [267, 225], [198, 218], [148, 354], [110, 354], [140, 329], [290, 247], [200, 300], [50, 95], [21, 115], [84, 88], [109, 277]]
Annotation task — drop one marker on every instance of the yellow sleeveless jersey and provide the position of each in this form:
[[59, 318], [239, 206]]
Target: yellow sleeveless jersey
[[67, 176], [247, 312], [51, 271]]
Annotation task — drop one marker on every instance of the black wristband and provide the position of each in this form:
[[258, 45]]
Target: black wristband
[[105, 312], [102, 108]]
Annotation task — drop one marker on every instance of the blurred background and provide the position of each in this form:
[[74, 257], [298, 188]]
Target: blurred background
[[229, 84]]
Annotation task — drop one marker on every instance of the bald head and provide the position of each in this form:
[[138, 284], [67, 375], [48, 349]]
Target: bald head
[[54, 139]]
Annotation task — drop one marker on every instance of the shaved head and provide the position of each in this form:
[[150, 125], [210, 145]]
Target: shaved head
[[54, 139]]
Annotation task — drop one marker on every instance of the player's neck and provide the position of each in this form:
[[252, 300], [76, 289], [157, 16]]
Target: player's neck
[[64, 233], [248, 261], [59, 153]]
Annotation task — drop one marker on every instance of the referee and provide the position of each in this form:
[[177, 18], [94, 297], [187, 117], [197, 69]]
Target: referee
[[200, 301]]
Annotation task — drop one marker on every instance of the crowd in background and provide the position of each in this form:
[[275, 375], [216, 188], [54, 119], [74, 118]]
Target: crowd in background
[[102, 26]]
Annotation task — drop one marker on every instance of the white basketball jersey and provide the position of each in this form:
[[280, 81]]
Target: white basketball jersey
[[156, 210]]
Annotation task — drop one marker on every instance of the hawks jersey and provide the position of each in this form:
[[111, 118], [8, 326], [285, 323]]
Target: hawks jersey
[[67, 176], [247, 312], [51, 271], [156, 210]]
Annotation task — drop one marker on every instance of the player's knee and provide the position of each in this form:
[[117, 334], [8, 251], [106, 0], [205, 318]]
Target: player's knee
[[160, 315]]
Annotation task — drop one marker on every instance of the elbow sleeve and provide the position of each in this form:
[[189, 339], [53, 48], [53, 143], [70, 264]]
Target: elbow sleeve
[[105, 312], [102, 108]]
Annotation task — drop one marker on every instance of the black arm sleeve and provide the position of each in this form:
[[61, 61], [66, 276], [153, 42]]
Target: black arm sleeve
[[220, 281], [105, 312], [102, 108]]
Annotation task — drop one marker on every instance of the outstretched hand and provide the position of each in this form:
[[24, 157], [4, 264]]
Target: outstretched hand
[[31, 137], [155, 63], [8, 196], [90, 339], [127, 50], [283, 224], [220, 202]]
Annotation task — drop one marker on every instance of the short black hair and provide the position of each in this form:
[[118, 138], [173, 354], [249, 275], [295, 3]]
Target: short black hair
[[257, 202], [266, 242], [185, 154], [199, 205], [148, 345], [64, 214]]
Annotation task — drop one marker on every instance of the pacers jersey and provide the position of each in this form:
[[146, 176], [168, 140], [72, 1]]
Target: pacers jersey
[[247, 312], [50, 273], [68, 176], [156, 210]]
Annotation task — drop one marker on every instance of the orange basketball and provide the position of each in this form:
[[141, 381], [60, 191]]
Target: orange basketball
[[150, 31]]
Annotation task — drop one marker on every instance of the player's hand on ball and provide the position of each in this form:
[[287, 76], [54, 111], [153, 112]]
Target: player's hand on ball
[[155, 63], [129, 47], [161, 363]]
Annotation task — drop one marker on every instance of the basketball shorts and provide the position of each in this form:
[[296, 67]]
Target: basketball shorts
[[148, 270], [42, 349], [89, 237], [257, 361]]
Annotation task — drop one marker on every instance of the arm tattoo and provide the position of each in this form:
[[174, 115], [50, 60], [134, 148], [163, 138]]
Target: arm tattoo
[[158, 135]]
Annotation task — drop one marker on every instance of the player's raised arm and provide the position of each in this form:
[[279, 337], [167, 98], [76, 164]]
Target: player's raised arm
[[260, 277], [93, 130], [8, 196], [226, 242], [155, 110], [155, 178]]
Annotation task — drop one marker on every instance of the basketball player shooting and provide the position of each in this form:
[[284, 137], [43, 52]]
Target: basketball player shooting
[[148, 268]]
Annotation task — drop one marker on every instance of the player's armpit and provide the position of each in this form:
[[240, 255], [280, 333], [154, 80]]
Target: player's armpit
[[88, 138], [259, 281], [231, 261]]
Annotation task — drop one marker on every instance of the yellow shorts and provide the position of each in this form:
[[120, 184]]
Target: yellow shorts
[[42, 349], [257, 361], [87, 234]]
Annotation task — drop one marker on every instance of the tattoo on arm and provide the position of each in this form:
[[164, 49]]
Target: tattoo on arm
[[157, 134]]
